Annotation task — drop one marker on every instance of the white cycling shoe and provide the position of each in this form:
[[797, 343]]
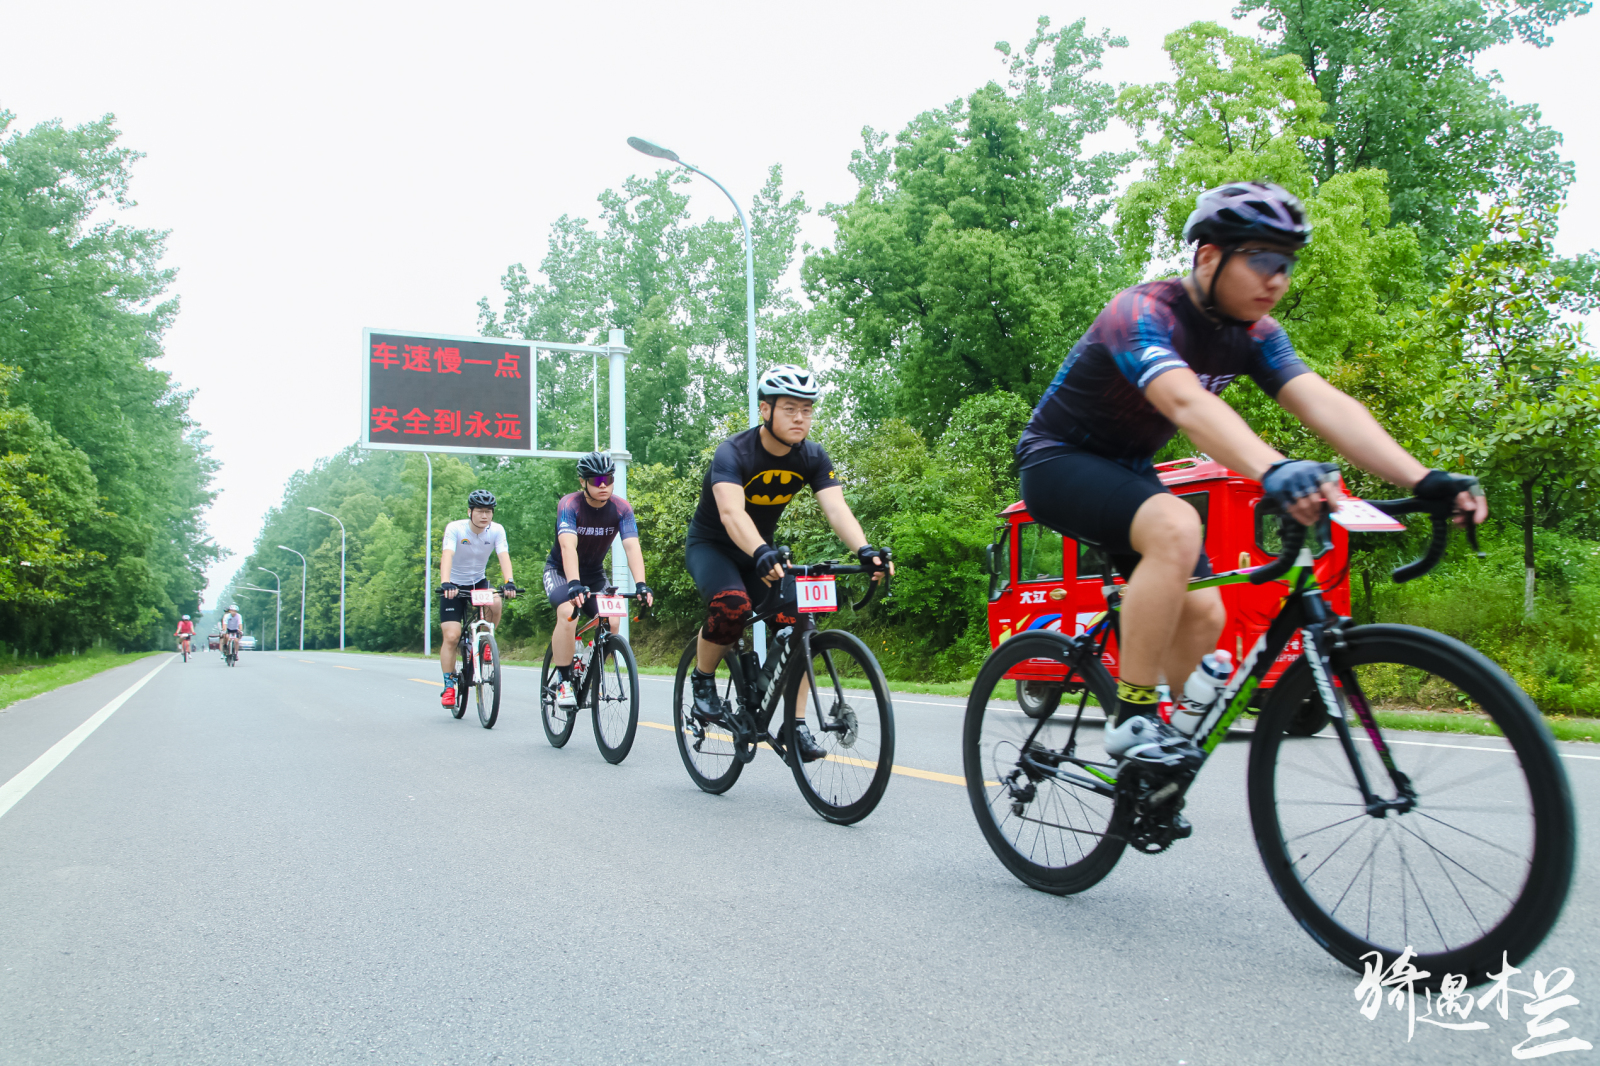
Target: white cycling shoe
[[1148, 741]]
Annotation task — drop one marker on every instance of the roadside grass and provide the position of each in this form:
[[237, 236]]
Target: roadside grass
[[23, 679]]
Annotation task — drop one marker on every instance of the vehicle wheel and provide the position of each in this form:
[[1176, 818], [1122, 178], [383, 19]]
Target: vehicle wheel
[[614, 699], [1049, 814], [463, 681], [488, 686], [852, 718], [1039, 699], [556, 717], [707, 748], [1478, 868]]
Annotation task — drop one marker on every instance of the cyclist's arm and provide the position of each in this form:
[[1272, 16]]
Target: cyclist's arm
[[842, 519], [569, 555], [447, 559], [736, 522], [505, 571], [630, 548]]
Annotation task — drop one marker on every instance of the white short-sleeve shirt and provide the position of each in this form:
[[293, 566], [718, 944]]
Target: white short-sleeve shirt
[[472, 551]]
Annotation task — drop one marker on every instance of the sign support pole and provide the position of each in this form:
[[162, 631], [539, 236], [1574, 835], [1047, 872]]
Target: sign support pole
[[427, 568], [617, 356]]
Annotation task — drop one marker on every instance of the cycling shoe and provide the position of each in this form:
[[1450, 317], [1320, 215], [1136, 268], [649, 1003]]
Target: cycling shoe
[[1145, 740], [806, 744]]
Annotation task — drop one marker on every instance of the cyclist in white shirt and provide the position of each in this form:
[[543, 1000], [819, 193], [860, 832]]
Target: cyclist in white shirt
[[232, 628], [463, 566]]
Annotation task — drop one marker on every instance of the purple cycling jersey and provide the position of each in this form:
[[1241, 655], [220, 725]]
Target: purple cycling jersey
[[595, 528], [1096, 402]]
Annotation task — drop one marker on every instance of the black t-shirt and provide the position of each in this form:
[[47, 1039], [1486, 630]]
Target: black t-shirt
[[769, 482]]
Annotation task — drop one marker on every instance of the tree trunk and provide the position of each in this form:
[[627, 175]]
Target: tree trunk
[[1527, 548]]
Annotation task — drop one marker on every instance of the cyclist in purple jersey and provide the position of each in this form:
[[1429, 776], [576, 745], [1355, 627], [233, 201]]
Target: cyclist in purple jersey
[[587, 523], [1153, 363]]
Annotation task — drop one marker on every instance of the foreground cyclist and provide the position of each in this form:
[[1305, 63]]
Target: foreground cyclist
[[1153, 363], [587, 522], [232, 630], [463, 566], [184, 632], [752, 478]]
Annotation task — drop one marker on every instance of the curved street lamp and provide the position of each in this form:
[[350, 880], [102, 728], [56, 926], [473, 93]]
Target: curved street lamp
[[286, 548], [277, 621], [341, 572]]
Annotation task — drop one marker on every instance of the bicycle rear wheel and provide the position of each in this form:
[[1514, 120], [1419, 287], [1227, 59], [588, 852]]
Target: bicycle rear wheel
[[556, 716], [1478, 865], [488, 679], [856, 719], [1049, 814], [707, 748], [614, 699]]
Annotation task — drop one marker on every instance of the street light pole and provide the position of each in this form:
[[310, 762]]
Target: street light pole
[[639, 144], [341, 571], [277, 621], [302, 594], [427, 569], [279, 595]]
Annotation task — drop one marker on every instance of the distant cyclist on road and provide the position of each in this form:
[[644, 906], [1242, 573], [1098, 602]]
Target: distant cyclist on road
[[463, 566], [587, 522], [753, 476], [232, 630], [184, 632]]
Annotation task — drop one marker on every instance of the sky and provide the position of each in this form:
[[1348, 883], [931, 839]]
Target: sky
[[327, 166]]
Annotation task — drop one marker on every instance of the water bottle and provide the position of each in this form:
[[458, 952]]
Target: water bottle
[[1200, 691], [753, 672]]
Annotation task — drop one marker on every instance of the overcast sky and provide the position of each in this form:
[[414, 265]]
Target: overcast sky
[[333, 165]]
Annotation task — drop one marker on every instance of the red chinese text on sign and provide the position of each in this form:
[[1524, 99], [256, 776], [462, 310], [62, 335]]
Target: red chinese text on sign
[[508, 426], [417, 358], [449, 360], [384, 355], [416, 421], [507, 367], [477, 425], [446, 423], [383, 419]]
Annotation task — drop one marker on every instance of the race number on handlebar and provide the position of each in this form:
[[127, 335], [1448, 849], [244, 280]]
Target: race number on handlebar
[[482, 597]]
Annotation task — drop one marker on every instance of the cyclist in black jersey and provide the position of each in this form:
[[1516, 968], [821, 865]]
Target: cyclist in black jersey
[[1153, 363], [588, 522], [752, 477]]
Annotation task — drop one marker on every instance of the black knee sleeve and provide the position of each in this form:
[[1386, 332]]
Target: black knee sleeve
[[725, 616]]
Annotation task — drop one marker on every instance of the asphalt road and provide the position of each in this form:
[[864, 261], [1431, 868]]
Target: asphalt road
[[304, 860]]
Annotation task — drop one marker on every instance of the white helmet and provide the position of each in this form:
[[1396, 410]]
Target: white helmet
[[233, 606], [786, 379]]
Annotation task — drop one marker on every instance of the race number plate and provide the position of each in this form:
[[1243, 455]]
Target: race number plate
[[1359, 516], [483, 597], [611, 606], [816, 594]]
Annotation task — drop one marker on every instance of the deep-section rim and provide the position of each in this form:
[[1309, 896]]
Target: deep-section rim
[[878, 783]]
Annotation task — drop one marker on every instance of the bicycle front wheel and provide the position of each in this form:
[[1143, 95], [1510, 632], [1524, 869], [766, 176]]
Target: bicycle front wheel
[[463, 680], [488, 686], [1473, 864], [614, 699], [1049, 814], [555, 714], [852, 719], [707, 748]]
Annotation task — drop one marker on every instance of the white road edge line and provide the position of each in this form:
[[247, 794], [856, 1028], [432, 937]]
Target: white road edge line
[[39, 769]]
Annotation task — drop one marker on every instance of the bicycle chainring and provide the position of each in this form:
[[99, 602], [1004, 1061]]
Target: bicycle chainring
[[1157, 821]]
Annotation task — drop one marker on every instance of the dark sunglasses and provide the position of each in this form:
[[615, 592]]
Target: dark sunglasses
[[1269, 263], [600, 479]]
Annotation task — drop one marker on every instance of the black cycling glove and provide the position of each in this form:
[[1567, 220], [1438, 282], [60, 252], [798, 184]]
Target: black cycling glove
[[576, 589], [766, 557], [870, 557], [641, 590], [1288, 480], [1438, 485], [448, 586]]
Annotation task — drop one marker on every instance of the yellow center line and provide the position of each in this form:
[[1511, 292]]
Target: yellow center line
[[313, 662], [905, 771], [437, 684], [336, 666]]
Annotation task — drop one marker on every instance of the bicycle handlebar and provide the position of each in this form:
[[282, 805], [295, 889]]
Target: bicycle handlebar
[[1439, 511], [834, 567]]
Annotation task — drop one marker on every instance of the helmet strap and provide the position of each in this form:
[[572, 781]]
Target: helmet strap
[[1209, 304], [773, 407]]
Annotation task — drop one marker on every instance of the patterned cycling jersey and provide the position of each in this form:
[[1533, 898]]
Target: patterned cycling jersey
[[1096, 402], [595, 528]]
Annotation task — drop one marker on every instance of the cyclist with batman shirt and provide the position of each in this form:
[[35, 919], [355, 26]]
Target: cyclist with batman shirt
[[1152, 363], [587, 523], [753, 476]]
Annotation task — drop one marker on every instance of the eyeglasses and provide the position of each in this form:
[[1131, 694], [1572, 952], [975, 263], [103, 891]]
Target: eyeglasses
[[600, 479], [1268, 263]]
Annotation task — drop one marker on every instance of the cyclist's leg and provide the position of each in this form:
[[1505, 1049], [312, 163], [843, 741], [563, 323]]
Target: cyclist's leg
[[1166, 534], [1199, 627], [563, 639], [721, 584]]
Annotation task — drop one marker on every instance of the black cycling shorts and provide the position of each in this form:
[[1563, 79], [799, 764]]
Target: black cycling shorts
[[555, 588], [716, 569], [1093, 499], [457, 610]]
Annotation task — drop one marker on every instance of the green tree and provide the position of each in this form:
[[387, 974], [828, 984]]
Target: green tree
[[974, 253], [1520, 399], [1403, 96]]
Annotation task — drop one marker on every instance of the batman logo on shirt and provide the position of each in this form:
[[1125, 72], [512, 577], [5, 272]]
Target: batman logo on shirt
[[782, 480]]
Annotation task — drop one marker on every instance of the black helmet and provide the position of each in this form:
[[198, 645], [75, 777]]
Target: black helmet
[[1248, 211], [480, 498], [595, 464]]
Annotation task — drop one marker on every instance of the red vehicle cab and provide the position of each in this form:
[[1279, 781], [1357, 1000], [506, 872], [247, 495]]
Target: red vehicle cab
[[1041, 580]]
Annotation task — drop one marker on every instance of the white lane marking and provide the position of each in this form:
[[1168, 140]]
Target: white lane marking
[[36, 771]]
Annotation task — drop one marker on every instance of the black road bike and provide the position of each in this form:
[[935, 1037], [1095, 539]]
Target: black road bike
[[825, 677], [1375, 842], [607, 682], [478, 660]]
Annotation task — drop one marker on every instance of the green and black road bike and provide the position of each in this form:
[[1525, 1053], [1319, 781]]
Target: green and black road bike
[[825, 677], [605, 677], [1460, 850]]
